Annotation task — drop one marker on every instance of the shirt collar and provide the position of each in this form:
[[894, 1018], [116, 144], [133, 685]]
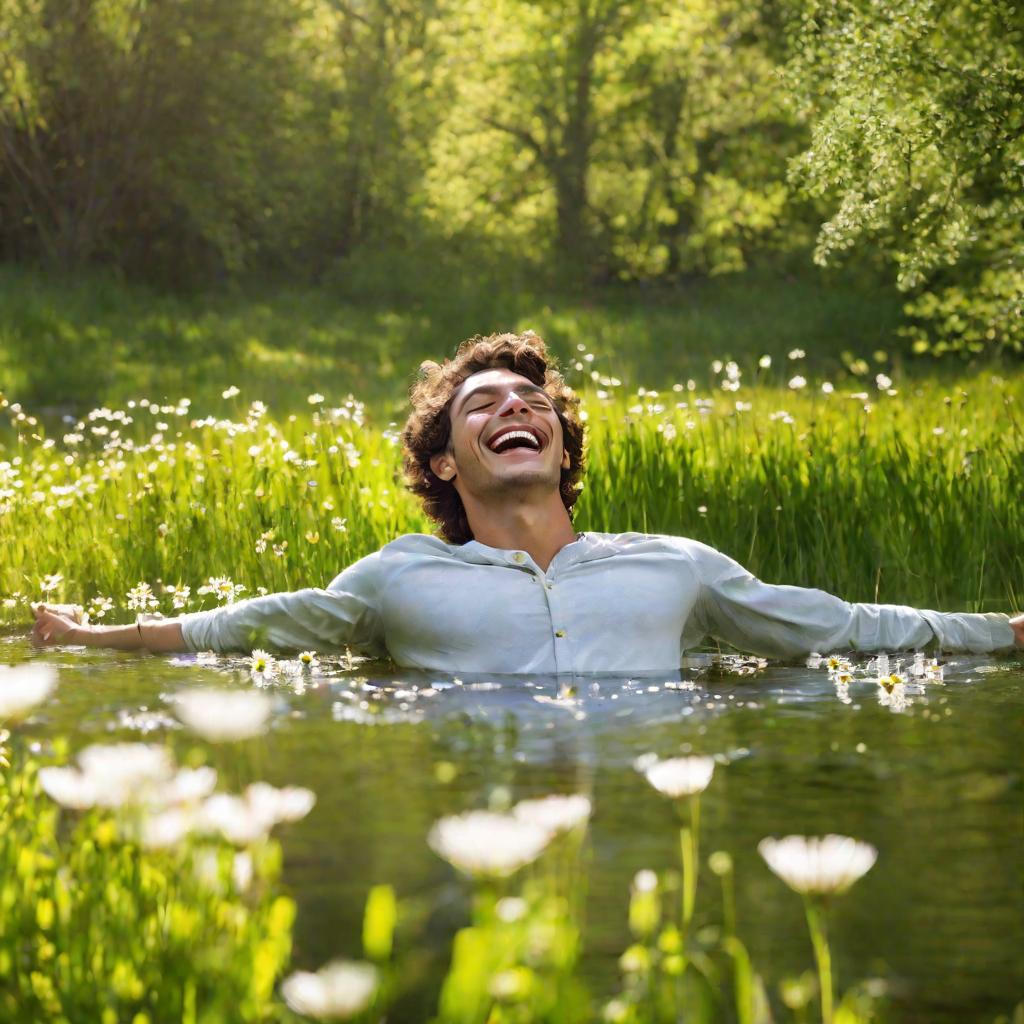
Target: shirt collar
[[585, 548]]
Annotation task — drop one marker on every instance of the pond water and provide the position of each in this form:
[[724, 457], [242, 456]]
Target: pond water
[[935, 783]]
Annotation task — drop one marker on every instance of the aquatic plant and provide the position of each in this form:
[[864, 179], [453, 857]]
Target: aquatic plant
[[819, 868]]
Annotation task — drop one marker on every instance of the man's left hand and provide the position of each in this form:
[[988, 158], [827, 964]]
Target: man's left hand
[[1017, 625]]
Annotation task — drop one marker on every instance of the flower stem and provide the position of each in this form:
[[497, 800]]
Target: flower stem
[[688, 838], [822, 954]]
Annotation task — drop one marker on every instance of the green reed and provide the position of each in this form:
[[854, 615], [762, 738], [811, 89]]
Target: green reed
[[909, 498]]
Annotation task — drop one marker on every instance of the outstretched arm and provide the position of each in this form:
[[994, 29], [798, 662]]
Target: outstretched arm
[[784, 621], [343, 615], [61, 624]]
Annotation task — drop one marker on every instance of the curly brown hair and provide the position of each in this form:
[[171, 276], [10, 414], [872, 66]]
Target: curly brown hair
[[427, 431]]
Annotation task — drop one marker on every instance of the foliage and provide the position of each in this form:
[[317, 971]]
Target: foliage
[[96, 928], [916, 112], [641, 140], [366, 144]]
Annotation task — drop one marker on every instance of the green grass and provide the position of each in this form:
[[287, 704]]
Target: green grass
[[69, 345], [915, 501]]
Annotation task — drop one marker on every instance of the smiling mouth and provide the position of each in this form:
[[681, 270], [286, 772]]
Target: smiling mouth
[[511, 440]]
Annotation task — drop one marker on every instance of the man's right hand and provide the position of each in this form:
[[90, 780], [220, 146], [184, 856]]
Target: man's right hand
[[55, 623]]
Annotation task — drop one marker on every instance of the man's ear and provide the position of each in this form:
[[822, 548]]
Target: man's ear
[[442, 466], [566, 460]]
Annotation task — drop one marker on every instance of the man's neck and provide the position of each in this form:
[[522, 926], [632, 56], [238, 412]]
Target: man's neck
[[541, 530]]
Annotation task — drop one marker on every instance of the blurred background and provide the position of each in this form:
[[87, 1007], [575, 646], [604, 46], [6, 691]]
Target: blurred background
[[268, 192]]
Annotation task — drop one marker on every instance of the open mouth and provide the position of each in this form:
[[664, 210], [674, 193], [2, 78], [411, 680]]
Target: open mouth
[[515, 438]]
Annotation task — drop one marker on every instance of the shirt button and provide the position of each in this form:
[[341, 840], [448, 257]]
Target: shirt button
[[560, 633], [549, 586], [518, 556]]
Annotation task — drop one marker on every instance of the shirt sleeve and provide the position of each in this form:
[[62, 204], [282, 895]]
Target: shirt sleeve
[[344, 615], [783, 621]]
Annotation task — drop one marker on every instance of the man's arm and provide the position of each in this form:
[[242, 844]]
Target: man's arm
[[784, 621], [61, 625], [1017, 625], [345, 615]]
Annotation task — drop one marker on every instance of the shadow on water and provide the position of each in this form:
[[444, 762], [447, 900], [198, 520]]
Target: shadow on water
[[930, 773]]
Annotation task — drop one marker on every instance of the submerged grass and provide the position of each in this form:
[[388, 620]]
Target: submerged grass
[[905, 495]]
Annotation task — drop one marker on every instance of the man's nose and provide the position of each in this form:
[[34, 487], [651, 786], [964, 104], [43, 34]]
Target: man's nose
[[513, 404]]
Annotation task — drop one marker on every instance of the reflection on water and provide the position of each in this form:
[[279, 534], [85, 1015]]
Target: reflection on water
[[927, 771]]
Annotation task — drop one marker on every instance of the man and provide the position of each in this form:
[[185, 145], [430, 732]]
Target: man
[[494, 449]]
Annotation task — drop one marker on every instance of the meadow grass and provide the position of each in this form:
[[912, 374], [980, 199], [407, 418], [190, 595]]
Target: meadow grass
[[67, 345], [906, 497]]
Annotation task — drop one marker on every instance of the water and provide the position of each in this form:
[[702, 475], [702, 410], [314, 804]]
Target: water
[[936, 786]]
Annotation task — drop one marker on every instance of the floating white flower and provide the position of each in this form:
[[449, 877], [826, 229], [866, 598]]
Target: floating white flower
[[818, 864], [336, 992], [262, 663], [223, 715], [554, 813], [22, 687], [681, 776], [308, 660], [488, 844]]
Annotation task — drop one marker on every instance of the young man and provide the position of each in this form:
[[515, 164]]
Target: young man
[[494, 449]]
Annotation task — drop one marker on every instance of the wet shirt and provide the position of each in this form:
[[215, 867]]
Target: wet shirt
[[622, 603]]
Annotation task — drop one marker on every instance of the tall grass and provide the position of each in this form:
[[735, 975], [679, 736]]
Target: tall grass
[[911, 497]]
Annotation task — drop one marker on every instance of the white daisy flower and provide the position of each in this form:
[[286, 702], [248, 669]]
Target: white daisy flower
[[487, 844], [681, 776], [336, 992], [554, 813], [22, 687], [223, 715], [818, 865]]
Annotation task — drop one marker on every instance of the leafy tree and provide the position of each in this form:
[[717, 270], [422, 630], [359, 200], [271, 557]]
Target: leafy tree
[[917, 142], [637, 138], [144, 134]]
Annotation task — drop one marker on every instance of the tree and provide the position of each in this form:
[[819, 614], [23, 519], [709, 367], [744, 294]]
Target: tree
[[640, 139], [917, 143]]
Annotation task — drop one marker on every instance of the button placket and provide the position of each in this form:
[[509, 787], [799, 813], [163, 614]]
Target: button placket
[[559, 632]]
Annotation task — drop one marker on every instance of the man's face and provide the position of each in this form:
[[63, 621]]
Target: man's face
[[505, 435]]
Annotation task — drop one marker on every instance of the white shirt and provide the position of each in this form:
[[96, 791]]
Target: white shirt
[[619, 603]]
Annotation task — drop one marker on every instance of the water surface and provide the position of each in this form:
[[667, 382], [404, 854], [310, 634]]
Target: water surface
[[935, 784]]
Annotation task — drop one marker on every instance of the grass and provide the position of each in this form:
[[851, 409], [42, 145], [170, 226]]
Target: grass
[[908, 498], [69, 345]]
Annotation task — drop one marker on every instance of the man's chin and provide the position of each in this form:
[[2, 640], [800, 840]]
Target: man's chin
[[533, 477]]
